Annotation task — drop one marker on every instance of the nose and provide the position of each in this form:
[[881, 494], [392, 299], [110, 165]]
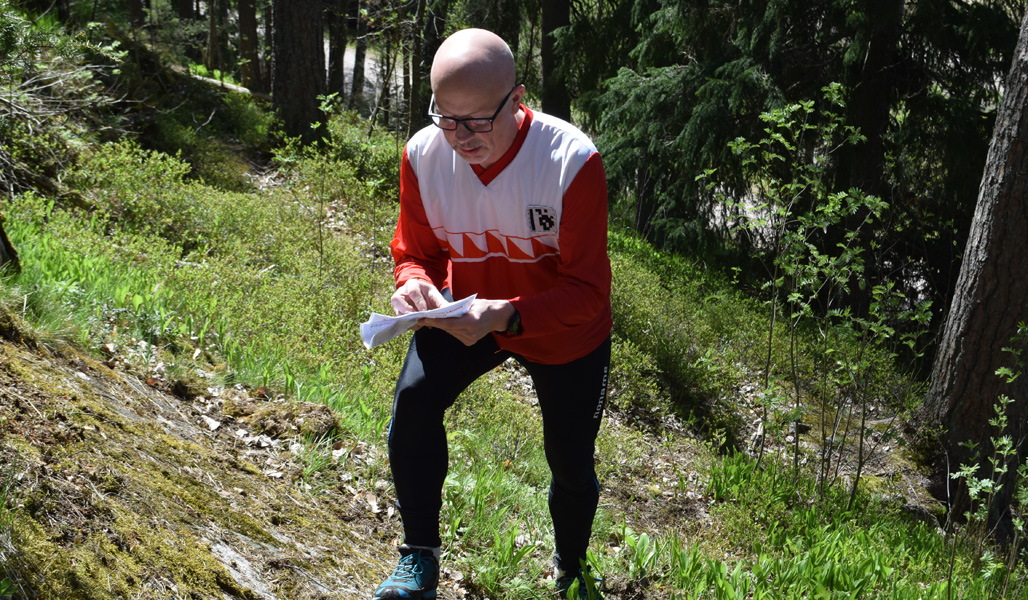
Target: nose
[[463, 133]]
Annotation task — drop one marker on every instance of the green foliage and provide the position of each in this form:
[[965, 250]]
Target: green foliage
[[634, 384], [49, 97], [267, 287], [813, 241], [701, 74], [697, 334], [374, 152], [201, 70], [822, 551], [641, 552], [197, 130]]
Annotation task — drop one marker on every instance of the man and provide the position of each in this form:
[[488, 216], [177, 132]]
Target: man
[[511, 205]]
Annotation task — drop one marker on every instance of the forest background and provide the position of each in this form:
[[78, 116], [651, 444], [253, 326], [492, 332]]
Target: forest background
[[201, 195]]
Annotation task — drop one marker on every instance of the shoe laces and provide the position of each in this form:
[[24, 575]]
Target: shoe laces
[[410, 566]]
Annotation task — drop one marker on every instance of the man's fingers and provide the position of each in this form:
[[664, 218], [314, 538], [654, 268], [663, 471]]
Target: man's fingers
[[417, 299], [435, 298], [415, 296]]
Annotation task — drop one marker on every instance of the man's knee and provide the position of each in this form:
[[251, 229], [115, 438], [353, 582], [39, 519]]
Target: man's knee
[[577, 477]]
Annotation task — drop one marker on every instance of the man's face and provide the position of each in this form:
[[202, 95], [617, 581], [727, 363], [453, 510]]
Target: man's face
[[477, 148]]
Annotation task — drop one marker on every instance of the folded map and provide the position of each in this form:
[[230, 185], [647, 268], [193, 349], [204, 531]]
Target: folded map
[[379, 329]]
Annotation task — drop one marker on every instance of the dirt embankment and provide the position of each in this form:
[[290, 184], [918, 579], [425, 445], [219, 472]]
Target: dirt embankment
[[120, 489]]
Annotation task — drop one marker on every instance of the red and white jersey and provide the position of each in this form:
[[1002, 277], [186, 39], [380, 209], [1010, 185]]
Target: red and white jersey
[[532, 229]]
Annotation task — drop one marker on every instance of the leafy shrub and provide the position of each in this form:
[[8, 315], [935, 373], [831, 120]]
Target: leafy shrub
[[249, 120], [697, 332], [142, 190], [373, 153], [49, 99], [634, 379]]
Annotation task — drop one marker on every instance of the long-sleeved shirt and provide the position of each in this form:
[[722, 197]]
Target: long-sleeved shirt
[[531, 229]]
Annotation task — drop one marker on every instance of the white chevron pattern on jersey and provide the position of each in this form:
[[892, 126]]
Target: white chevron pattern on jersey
[[472, 247]]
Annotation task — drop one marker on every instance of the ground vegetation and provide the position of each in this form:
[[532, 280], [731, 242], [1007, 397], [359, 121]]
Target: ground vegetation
[[186, 409]]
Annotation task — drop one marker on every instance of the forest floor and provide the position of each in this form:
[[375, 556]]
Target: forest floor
[[130, 482], [127, 482], [129, 485]]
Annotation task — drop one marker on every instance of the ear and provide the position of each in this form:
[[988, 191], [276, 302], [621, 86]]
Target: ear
[[516, 96]]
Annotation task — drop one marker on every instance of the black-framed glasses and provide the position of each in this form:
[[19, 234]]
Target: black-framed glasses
[[474, 124]]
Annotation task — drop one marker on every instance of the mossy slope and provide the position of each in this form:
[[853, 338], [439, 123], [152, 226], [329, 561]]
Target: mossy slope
[[122, 491]]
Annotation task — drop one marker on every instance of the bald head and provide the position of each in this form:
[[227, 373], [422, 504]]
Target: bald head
[[473, 77], [473, 58]]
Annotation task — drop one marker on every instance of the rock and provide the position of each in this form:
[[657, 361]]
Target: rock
[[798, 428]]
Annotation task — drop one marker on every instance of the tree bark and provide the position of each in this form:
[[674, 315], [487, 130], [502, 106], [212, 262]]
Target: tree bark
[[336, 15], [990, 300], [359, 54], [250, 65], [416, 118], [215, 57], [136, 16], [267, 56], [8, 255], [555, 98], [298, 71], [184, 9], [870, 103]]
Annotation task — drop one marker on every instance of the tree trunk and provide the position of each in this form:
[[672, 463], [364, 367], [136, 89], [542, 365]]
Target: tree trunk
[[555, 98], [990, 299], [184, 9], [250, 65], [386, 64], [336, 15], [215, 57], [436, 17], [870, 103], [267, 56], [298, 71], [416, 118], [136, 16], [360, 52], [8, 255]]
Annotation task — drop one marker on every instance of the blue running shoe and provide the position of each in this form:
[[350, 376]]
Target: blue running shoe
[[582, 586], [415, 577]]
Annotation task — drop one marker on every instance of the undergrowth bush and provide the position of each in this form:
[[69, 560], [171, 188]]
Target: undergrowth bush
[[374, 152], [50, 99], [695, 329], [825, 549]]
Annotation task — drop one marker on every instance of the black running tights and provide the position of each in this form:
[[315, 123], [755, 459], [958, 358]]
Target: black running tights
[[572, 397]]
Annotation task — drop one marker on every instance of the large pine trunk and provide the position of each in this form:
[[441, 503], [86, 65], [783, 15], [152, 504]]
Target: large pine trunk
[[555, 98], [298, 71], [8, 256], [990, 300], [250, 64]]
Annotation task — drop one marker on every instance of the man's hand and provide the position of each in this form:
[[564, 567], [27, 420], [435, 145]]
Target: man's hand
[[483, 317], [416, 295]]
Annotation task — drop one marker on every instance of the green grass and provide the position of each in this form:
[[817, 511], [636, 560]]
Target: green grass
[[252, 286]]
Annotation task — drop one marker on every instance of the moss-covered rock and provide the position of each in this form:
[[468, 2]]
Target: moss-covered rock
[[121, 491]]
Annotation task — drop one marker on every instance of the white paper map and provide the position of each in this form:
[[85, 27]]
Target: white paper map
[[379, 329]]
